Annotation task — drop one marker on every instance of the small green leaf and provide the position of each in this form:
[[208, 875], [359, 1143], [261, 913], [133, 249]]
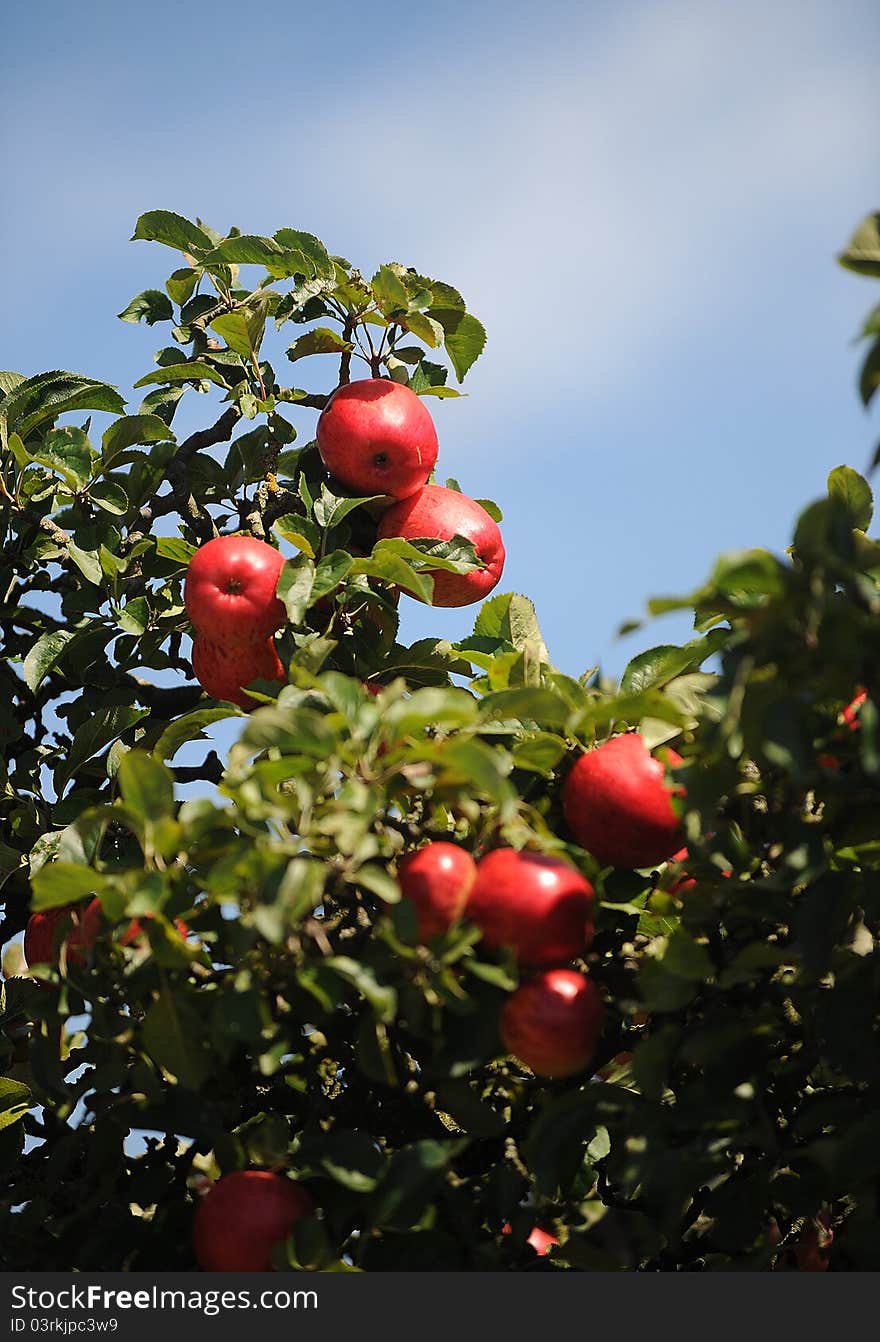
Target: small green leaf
[[135, 616], [43, 656], [464, 338], [173, 230], [132, 429], [299, 531], [382, 999], [109, 496], [97, 732], [194, 370], [846, 484], [87, 562], [319, 341], [151, 306], [15, 1101], [188, 728], [389, 291], [174, 548], [862, 252], [59, 883], [147, 786], [172, 1034], [69, 452], [181, 284], [295, 587]]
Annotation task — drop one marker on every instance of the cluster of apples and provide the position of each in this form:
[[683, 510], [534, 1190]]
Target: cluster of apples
[[618, 805], [376, 438]]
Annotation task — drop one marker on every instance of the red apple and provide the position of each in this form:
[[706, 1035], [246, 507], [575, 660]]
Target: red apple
[[540, 1240], [442, 513], [552, 1023], [437, 880], [243, 1216], [82, 923], [377, 437], [87, 922], [230, 590], [224, 670], [850, 714], [618, 804], [538, 905]]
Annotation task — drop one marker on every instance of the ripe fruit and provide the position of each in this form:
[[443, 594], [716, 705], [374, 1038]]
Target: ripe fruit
[[243, 1216], [223, 670], [552, 1023], [81, 930], [538, 905], [850, 714], [86, 924], [618, 804], [230, 590], [377, 437], [540, 1240], [437, 880], [442, 513]]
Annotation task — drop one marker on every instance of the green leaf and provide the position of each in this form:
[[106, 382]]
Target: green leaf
[[464, 338], [59, 883], [322, 340], [19, 451], [489, 506], [15, 1101], [172, 1034], [299, 531], [243, 330], [181, 284], [379, 882], [150, 306], [176, 549], [109, 496], [147, 786], [195, 370], [389, 291], [511, 618], [862, 252], [747, 574], [539, 753], [381, 998], [131, 429], [294, 587], [39, 400], [87, 562], [173, 231], [528, 704], [43, 656], [388, 566], [331, 571], [68, 452], [847, 485], [660, 665], [188, 728], [423, 327], [9, 381], [97, 732], [685, 958], [135, 616], [869, 377]]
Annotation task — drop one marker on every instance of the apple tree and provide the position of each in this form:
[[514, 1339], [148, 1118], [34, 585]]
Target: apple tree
[[449, 959]]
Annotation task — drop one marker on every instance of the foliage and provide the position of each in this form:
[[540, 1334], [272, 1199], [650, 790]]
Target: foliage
[[299, 1025]]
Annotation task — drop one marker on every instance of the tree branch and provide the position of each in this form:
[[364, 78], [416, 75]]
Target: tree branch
[[181, 498]]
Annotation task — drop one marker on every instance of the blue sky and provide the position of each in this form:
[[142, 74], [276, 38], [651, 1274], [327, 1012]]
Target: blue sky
[[641, 201]]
